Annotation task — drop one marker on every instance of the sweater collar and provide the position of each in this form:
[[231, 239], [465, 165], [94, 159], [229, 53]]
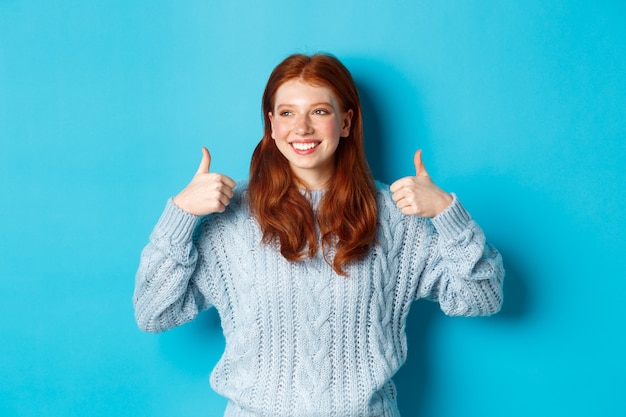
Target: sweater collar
[[313, 196]]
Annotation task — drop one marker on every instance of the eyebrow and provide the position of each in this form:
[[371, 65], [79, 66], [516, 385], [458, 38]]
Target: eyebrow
[[321, 103]]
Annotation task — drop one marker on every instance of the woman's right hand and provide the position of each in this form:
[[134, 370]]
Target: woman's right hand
[[207, 192]]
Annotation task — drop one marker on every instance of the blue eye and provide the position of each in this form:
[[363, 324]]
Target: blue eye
[[321, 111], [285, 113]]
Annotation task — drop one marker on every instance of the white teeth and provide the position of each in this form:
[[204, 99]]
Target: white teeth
[[304, 146]]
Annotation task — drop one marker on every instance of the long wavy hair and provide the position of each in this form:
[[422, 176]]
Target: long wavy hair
[[347, 214]]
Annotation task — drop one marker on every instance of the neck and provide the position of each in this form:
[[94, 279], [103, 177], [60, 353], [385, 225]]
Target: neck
[[313, 180]]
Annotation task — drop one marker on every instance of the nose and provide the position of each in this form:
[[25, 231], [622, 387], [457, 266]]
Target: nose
[[303, 125]]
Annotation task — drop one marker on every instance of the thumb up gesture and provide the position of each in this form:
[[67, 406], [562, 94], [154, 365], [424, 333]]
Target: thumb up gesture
[[418, 195], [207, 192]]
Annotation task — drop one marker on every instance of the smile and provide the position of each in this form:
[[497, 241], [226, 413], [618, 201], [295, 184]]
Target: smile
[[304, 146]]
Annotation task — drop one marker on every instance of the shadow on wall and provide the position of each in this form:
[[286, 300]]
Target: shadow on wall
[[195, 347], [515, 291], [505, 219], [373, 133], [391, 106]]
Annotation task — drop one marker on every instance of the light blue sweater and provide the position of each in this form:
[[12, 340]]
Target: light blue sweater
[[300, 339]]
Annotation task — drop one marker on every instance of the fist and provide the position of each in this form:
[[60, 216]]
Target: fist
[[207, 192], [418, 195]]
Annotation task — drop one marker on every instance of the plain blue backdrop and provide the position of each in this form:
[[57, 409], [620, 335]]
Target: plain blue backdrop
[[519, 106]]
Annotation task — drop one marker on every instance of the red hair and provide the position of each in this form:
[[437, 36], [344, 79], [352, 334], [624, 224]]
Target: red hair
[[347, 213]]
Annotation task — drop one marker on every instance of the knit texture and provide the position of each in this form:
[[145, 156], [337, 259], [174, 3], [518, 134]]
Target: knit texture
[[300, 339]]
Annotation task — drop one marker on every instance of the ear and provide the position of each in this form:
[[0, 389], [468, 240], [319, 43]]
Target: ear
[[346, 124], [271, 117]]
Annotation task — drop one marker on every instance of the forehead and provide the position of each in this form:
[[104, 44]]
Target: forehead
[[301, 92]]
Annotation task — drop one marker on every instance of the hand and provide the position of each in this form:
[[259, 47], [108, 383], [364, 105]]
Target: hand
[[418, 195], [207, 192]]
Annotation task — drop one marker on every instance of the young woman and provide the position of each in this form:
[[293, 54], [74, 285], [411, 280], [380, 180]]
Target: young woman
[[311, 264]]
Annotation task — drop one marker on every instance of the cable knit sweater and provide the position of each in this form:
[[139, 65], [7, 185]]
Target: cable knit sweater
[[300, 339]]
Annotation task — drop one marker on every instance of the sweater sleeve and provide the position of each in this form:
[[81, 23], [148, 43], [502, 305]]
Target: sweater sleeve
[[463, 272], [168, 288]]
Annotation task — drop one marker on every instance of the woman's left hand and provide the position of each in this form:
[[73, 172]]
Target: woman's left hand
[[418, 195]]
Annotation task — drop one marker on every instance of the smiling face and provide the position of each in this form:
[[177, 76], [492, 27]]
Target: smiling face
[[307, 124]]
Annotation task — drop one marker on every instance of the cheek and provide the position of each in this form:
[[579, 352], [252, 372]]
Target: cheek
[[280, 130], [332, 129]]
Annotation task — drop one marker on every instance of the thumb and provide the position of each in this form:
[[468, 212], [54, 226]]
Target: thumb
[[205, 163], [420, 169]]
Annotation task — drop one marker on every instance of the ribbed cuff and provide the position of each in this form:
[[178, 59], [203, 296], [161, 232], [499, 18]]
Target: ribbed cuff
[[453, 220], [176, 223]]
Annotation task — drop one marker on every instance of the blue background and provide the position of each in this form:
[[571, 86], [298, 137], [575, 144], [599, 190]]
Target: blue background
[[519, 106]]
